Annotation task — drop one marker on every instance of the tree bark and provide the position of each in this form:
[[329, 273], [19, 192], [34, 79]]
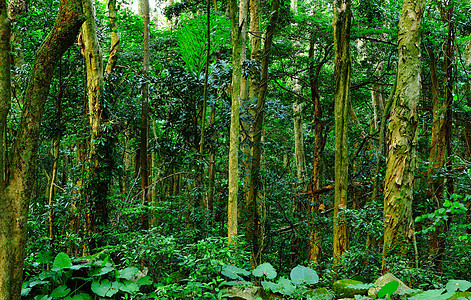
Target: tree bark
[[440, 146], [341, 24], [14, 200], [5, 85], [402, 138], [233, 180], [115, 38], [257, 199], [144, 5], [99, 157], [316, 206]]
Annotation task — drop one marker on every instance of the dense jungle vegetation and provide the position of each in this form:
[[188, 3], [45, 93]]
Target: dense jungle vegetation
[[224, 149]]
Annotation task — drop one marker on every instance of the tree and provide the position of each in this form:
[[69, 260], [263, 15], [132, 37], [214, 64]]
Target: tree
[[402, 137], [115, 38], [15, 198], [99, 157], [341, 24], [144, 168], [233, 180], [5, 82]]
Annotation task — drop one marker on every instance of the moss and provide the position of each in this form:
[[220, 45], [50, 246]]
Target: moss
[[342, 288]]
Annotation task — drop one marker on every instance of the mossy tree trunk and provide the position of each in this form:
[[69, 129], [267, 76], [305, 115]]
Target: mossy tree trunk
[[233, 180], [257, 208], [115, 38], [402, 137], [99, 157], [341, 24], [15, 198], [5, 84]]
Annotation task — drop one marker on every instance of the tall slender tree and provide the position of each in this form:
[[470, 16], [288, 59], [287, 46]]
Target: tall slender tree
[[256, 195], [440, 145], [235, 123], [342, 24], [144, 167], [402, 137]]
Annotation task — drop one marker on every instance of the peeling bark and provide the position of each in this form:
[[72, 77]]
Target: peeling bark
[[402, 137]]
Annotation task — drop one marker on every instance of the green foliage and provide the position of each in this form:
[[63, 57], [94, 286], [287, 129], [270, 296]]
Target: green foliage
[[80, 278], [300, 278], [443, 214]]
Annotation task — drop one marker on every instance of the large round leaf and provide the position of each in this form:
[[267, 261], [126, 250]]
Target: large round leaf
[[303, 275], [285, 286], [233, 272], [454, 285], [128, 272], [101, 288], [265, 269], [60, 291], [62, 260]]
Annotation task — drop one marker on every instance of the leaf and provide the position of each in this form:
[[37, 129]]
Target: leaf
[[388, 289], [128, 272], [129, 286], [101, 288], [60, 291], [432, 295], [144, 281], [267, 285], [285, 286], [62, 260], [233, 272], [454, 285], [265, 269], [80, 296], [114, 288], [301, 274], [25, 291], [102, 271]]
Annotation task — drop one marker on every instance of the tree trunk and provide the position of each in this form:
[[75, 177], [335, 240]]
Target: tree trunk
[[341, 24], [99, 157], [381, 141], [256, 197], [245, 101], [115, 39], [298, 136], [14, 199], [233, 180], [316, 206], [144, 5], [204, 106], [440, 140], [5, 84], [402, 138], [56, 153]]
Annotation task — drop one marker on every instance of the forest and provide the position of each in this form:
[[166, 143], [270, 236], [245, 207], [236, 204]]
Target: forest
[[235, 149]]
